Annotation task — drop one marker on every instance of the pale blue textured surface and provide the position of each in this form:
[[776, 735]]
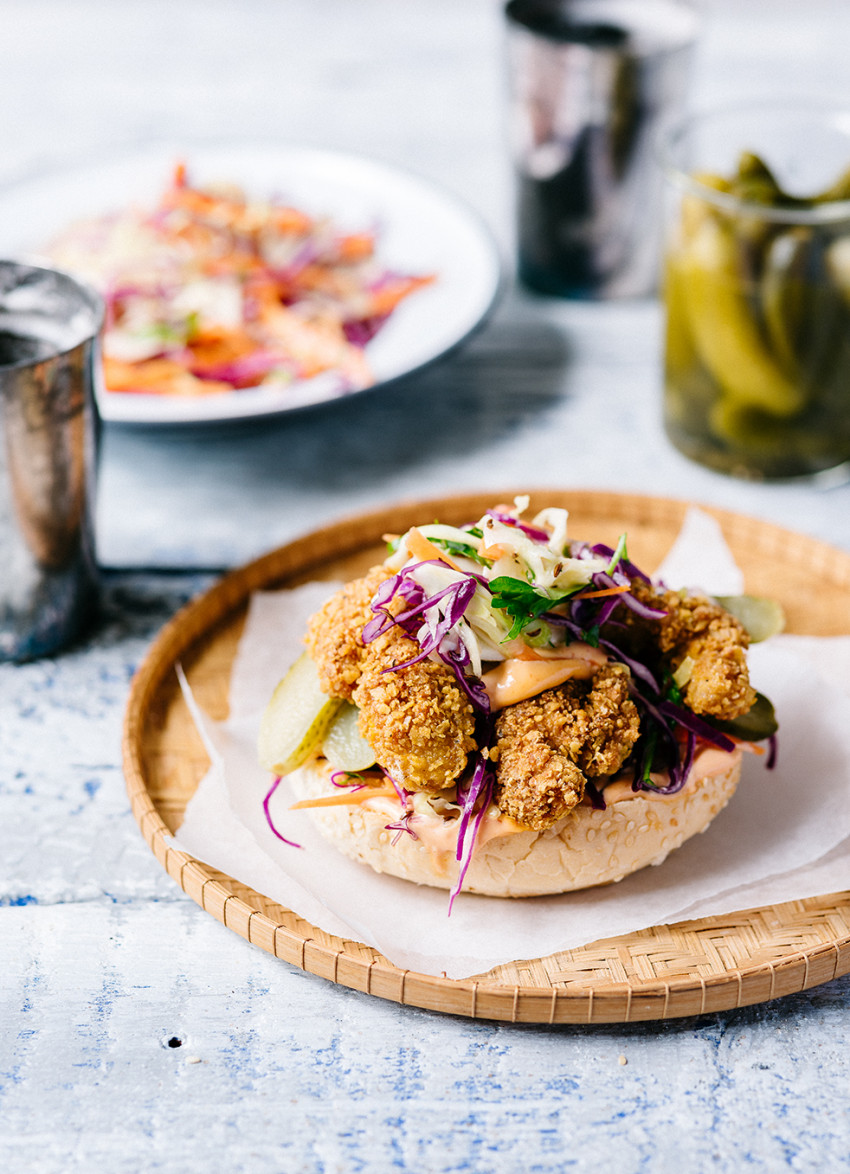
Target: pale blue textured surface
[[103, 959], [280, 1071]]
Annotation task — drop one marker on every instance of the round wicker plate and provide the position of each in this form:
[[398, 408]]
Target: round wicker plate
[[673, 970]]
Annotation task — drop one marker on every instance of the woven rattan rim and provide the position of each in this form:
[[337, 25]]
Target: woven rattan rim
[[691, 968]]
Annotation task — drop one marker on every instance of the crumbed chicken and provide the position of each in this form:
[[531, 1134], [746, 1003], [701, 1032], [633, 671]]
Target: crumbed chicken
[[334, 633], [697, 627], [421, 725], [550, 744], [418, 720], [537, 784]]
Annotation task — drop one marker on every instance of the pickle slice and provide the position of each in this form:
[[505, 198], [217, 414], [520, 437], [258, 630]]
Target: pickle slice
[[755, 725], [296, 719], [762, 617], [723, 328], [343, 745]]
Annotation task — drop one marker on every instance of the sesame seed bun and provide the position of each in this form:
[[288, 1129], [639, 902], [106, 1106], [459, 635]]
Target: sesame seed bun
[[585, 848]]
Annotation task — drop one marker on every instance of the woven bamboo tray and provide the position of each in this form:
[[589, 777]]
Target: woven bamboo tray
[[690, 968]]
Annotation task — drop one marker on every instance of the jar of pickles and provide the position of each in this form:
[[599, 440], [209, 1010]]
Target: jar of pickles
[[757, 291]]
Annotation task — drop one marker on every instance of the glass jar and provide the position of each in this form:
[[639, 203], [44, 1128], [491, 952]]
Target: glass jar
[[757, 290]]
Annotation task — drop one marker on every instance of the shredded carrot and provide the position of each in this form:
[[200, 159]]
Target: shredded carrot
[[298, 295], [749, 746], [157, 377], [291, 220], [496, 551], [603, 591], [347, 798], [422, 547], [386, 298], [356, 246]]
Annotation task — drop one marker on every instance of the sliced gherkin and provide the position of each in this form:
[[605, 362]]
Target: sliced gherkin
[[723, 329], [784, 292], [840, 190], [762, 617], [343, 746], [296, 719], [755, 726]]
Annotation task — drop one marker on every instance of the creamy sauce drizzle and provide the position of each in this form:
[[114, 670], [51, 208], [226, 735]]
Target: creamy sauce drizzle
[[707, 761], [519, 678], [439, 834]]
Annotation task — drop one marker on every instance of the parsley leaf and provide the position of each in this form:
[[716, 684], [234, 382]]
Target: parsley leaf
[[591, 636], [522, 603], [671, 690], [649, 757], [462, 549]]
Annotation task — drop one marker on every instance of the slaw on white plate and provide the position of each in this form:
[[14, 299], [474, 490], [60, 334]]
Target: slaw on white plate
[[421, 229]]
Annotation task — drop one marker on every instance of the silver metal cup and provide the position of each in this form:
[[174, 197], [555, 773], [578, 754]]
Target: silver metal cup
[[591, 82], [49, 325]]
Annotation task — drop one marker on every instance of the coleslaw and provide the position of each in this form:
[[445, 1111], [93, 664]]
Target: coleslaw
[[503, 588], [211, 292]]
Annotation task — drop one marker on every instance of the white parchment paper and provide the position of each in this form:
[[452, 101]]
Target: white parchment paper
[[784, 836]]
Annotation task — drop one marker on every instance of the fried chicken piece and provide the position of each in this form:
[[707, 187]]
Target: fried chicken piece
[[537, 785], [334, 633], [550, 744], [701, 629], [418, 720]]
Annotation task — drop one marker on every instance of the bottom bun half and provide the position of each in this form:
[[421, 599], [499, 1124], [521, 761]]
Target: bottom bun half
[[586, 848]]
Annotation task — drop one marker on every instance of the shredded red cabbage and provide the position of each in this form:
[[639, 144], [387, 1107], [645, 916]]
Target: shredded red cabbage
[[403, 795], [606, 609], [240, 372], [430, 628], [418, 604], [659, 748], [532, 532], [347, 780], [678, 771], [689, 721], [360, 331], [597, 799], [583, 622], [579, 631], [603, 551], [304, 255], [478, 791], [458, 661], [603, 580], [268, 816], [638, 668], [401, 826]]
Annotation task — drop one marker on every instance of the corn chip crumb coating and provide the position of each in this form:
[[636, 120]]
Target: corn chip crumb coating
[[550, 744], [334, 633], [417, 720], [421, 725], [696, 627]]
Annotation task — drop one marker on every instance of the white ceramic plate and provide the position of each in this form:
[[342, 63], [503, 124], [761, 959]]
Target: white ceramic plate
[[421, 230]]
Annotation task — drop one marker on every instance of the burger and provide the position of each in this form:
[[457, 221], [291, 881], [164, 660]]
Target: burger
[[496, 708]]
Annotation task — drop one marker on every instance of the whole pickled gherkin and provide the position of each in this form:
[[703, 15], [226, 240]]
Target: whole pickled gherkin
[[757, 363]]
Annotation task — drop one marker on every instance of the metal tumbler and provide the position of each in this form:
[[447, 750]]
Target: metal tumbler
[[591, 82], [49, 325]]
